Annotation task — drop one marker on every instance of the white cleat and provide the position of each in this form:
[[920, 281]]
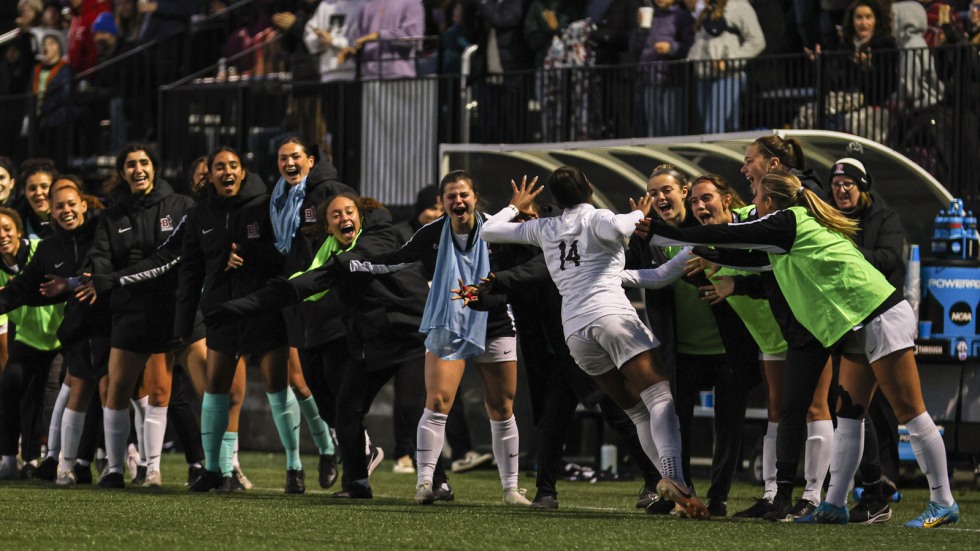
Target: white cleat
[[241, 478], [516, 497], [153, 480], [65, 478], [423, 494]]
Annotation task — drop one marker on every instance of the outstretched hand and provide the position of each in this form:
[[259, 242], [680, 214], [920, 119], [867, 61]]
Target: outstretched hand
[[525, 195], [722, 288], [470, 294], [643, 228], [53, 286], [643, 204], [698, 264], [466, 293], [86, 291]]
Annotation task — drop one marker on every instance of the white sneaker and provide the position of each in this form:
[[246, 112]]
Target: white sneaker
[[471, 460], [404, 465], [132, 462], [375, 458], [423, 494], [153, 480], [236, 472], [65, 478], [516, 496]]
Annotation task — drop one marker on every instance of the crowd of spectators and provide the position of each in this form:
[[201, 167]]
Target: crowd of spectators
[[337, 40]]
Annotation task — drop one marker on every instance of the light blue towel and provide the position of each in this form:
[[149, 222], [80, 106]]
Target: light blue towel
[[455, 332], [284, 211]]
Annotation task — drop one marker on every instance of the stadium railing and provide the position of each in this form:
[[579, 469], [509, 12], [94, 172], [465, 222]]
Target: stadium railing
[[923, 104]]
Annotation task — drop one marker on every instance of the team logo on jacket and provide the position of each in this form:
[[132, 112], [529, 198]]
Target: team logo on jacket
[[166, 224], [252, 231], [309, 215]]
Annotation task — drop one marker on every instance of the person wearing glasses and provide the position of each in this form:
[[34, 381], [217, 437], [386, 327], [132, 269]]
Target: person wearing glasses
[[880, 240]]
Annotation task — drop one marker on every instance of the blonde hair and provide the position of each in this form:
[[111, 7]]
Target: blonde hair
[[786, 191]]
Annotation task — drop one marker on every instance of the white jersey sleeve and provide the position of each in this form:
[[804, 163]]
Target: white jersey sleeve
[[615, 227], [661, 276], [499, 229]]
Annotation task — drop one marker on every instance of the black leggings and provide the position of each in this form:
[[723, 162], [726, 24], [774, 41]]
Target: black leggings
[[731, 381], [180, 416], [358, 389], [22, 398], [323, 368], [804, 365]]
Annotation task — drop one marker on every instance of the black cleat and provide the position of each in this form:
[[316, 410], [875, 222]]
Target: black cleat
[[295, 481], [443, 492], [47, 470], [781, 506], [718, 507], [757, 510], [801, 509], [660, 506], [112, 480], [328, 471], [27, 471], [206, 482], [647, 496], [354, 491], [545, 502], [229, 485], [870, 510], [83, 473], [140, 477], [193, 473]]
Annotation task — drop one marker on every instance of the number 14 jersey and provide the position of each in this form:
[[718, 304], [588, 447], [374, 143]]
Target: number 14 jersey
[[584, 250]]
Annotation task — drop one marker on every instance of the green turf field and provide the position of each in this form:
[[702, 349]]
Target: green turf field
[[35, 515]]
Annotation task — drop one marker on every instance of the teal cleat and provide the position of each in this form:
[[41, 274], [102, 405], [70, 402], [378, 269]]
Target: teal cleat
[[935, 516], [825, 513]]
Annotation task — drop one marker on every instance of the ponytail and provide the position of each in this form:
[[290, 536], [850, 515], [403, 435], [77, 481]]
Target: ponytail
[[786, 191]]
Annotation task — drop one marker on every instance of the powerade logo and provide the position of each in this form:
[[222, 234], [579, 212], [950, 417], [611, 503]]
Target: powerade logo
[[960, 313], [954, 283]]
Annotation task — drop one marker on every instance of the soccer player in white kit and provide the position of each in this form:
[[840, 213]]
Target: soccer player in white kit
[[584, 252]]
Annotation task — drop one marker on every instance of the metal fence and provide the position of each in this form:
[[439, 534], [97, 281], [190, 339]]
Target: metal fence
[[383, 134]]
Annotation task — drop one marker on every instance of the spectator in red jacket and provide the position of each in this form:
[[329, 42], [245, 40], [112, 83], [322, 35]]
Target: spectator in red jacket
[[82, 53]]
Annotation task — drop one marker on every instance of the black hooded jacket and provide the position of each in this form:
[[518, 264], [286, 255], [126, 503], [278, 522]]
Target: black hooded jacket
[[310, 324], [382, 313], [132, 229], [208, 234]]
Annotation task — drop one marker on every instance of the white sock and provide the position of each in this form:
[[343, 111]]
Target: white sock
[[430, 437], [506, 444], [641, 418], [71, 433], [664, 428], [154, 430], [54, 429], [115, 423], [139, 418], [930, 453], [819, 449], [234, 456], [848, 448], [769, 461]]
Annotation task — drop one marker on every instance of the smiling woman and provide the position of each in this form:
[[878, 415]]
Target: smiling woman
[[146, 214], [36, 175]]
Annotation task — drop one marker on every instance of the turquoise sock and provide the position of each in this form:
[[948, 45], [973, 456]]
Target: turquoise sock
[[214, 422], [285, 413], [318, 427], [227, 451]]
